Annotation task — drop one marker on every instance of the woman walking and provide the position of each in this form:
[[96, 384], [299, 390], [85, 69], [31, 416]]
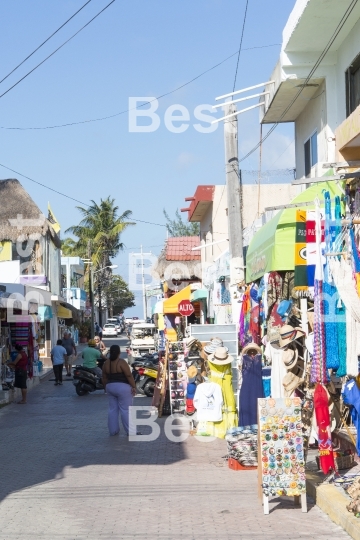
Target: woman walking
[[120, 386], [20, 364]]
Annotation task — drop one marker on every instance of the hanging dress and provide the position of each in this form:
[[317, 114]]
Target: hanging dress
[[251, 390], [222, 375]]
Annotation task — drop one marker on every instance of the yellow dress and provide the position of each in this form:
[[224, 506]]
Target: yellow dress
[[221, 375]]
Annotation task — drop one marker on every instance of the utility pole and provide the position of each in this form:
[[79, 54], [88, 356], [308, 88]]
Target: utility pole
[[100, 306], [143, 285], [234, 195]]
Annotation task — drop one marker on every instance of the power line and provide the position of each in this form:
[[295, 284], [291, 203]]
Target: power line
[[143, 104], [56, 50], [282, 153], [303, 85], [68, 196], [241, 40], [43, 43]]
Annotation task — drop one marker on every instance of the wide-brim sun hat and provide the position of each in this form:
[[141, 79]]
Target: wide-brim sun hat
[[290, 357], [192, 372], [214, 344], [190, 342], [288, 334], [220, 357], [251, 347]]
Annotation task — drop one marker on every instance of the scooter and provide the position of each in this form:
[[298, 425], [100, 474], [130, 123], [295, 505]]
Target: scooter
[[144, 374], [86, 381]]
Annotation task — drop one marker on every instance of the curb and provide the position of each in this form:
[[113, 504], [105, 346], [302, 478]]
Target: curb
[[333, 503]]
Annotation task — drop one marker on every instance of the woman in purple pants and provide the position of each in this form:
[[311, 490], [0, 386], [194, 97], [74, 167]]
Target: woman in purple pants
[[120, 386]]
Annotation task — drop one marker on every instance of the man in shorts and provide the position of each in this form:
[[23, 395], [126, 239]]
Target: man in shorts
[[69, 344]]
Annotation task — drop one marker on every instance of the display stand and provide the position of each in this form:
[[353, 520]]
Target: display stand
[[163, 381], [281, 450], [296, 499], [177, 378]]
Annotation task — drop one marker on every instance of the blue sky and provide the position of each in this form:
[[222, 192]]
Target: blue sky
[[133, 49]]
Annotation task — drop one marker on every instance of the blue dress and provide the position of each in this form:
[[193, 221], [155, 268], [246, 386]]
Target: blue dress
[[251, 390]]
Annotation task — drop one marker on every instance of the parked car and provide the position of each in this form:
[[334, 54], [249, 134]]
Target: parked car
[[109, 330], [115, 321]]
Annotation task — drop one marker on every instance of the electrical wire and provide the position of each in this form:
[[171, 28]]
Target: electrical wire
[[143, 104], [56, 50], [282, 153], [43, 43], [303, 85], [68, 196], [241, 40]]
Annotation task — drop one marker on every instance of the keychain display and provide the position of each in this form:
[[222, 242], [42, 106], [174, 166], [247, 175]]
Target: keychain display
[[281, 447]]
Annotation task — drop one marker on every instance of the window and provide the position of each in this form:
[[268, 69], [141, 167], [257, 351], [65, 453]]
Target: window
[[311, 153], [353, 86]]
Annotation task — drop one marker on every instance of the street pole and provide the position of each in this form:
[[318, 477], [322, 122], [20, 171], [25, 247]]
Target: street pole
[[233, 186], [100, 306], [92, 334], [143, 285]]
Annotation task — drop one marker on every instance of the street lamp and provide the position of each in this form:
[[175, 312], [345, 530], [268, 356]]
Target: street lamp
[[92, 273]]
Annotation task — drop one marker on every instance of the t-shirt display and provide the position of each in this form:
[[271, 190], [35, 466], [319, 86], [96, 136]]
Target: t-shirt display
[[281, 447]]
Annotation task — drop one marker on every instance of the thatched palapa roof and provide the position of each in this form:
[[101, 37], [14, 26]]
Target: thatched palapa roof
[[16, 209]]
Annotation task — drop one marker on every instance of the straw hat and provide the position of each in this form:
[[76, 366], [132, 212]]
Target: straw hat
[[310, 316], [192, 372], [290, 357], [221, 357], [214, 344], [251, 347], [190, 342], [288, 334]]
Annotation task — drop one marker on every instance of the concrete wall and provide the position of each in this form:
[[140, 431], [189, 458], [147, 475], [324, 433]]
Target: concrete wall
[[270, 195], [214, 226], [326, 112]]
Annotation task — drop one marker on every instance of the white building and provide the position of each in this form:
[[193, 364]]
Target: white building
[[326, 113]]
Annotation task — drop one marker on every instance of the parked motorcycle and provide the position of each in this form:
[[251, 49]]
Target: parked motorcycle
[[144, 374], [86, 381]]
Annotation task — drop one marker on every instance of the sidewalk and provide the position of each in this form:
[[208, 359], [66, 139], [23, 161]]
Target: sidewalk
[[76, 482]]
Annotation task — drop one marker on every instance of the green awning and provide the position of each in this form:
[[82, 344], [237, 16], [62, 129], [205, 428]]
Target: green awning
[[273, 246], [199, 294]]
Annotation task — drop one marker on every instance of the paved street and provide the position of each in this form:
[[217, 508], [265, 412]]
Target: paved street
[[63, 477]]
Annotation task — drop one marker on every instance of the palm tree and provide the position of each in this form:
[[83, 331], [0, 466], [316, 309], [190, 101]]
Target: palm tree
[[100, 230]]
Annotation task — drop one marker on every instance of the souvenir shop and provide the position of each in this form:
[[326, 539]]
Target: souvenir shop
[[300, 340], [19, 328]]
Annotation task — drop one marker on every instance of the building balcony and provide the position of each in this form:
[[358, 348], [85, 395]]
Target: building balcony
[[76, 297]]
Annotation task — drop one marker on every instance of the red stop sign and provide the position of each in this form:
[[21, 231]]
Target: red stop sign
[[185, 308]]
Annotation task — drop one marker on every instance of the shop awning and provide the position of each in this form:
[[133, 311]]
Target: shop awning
[[199, 294], [64, 313], [273, 246], [171, 304], [45, 313], [158, 308]]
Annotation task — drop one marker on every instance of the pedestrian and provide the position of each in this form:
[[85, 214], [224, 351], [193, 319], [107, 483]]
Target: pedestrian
[[91, 355], [100, 345], [97, 328], [120, 386], [69, 344], [20, 364], [58, 358], [100, 332]]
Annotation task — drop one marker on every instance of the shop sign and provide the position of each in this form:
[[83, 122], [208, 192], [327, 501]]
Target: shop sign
[[185, 308]]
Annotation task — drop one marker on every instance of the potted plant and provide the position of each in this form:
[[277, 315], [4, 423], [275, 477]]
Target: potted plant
[[84, 331]]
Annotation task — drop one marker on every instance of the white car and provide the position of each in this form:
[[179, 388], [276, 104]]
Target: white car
[[115, 322], [109, 330]]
